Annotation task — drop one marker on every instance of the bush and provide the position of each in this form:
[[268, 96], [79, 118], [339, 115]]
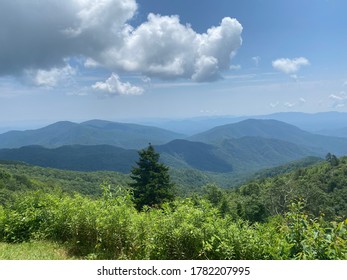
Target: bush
[[111, 228], [315, 238]]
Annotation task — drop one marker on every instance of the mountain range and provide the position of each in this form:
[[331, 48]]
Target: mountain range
[[245, 146], [273, 129], [94, 132], [322, 122]]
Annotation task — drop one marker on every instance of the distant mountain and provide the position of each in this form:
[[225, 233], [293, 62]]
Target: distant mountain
[[341, 132], [245, 146], [195, 125], [309, 122], [94, 132], [272, 129], [76, 157]]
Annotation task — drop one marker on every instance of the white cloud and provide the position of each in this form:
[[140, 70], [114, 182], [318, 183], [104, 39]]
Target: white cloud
[[338, 100], [341, 96], [113, 86], [335, 97], [274, 104], [294, 77], [290, 66], [91, 63], [256, 60], [146, 80], [41, 35], [206, 69], [163, 47], [50, 78], [289, 105], [235, 67]]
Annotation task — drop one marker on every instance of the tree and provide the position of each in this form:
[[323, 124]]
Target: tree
[[332, 159], [152, 185]]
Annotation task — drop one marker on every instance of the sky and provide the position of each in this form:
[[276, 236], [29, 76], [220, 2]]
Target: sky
[[137, 59]]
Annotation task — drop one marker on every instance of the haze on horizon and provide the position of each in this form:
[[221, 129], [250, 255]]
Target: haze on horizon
[[116, 59]]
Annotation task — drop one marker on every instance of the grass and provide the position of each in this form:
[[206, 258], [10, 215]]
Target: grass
[[35, 250]]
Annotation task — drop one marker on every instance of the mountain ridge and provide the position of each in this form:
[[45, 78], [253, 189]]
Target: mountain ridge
[[94, 132], [273, 129], [248, 145], [234, 155]]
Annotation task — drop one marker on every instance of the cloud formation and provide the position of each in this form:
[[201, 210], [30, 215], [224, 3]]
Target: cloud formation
[[41, 35], [290, 66], [113, 86], [50, 78], [338, 100], [163, 47]]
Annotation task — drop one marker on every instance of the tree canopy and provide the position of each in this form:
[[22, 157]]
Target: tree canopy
[[151, 181]]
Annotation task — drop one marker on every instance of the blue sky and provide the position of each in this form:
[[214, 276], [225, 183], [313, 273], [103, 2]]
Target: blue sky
[[125, 59]]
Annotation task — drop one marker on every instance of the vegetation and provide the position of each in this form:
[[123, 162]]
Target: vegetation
[[17, 177], [323, 188], [296, 215], [111, 228], [35, 250], [152, 185]]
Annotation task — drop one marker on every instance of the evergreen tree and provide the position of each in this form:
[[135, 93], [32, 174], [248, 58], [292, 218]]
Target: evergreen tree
[[332, 159], [151, 184]]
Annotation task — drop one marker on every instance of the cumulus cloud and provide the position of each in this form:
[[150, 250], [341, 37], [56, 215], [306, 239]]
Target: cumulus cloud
[[114, 86], [163, 47], [50, 78], [290, 66], [42, 34]]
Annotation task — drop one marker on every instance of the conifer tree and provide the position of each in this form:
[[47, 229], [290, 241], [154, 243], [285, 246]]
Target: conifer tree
[[151, 185]]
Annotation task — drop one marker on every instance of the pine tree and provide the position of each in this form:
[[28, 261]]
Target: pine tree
[[151, 184]]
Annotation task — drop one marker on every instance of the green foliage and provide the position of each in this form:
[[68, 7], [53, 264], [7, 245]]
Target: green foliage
[[323, 188], [16, 176], [332, 159], [110, 227], [152, 185], [35, 250], [259, 220], [314, 239]]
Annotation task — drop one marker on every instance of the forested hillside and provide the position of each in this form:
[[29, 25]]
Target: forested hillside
[[75, 157], [296, 215], [244, 155], [322, 188]]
